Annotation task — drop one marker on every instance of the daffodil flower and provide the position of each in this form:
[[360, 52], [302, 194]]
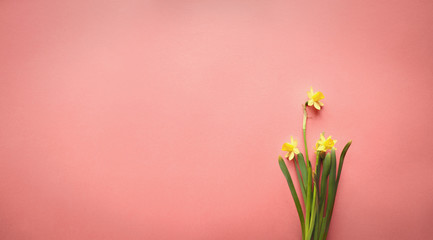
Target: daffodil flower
[[325, 144], [314, 99], [291, 148]]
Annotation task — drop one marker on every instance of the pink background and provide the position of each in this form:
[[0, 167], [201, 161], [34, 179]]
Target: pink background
[[164, 119]]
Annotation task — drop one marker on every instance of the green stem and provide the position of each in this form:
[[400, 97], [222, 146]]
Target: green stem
[[317, 185], [304, 130], [308, 206], [313, 213], [308, 188]]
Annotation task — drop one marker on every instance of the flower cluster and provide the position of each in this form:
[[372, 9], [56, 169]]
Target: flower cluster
[[323, 144], [318, 184]]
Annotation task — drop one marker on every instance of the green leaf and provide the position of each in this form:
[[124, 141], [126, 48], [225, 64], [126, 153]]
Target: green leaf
[[340, 167], [301, 183], [322, 197], [325, 173], [317, 185], [293, 191], [308, 205], [303, 168], [313, 213], [331, 195], [342, 156], [318, 169]]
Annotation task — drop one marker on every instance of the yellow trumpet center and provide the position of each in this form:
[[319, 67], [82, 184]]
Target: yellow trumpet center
[[318, 96], [329, 143]]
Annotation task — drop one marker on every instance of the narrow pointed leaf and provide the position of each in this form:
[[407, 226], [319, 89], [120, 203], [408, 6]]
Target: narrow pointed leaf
[[342, 156], [313, 213], [340, 167], [318, 169], [292, 190], [322, 196], [318, 218], [331, 194], [301, 183], [303, 168], [325, 173], [308, 206]]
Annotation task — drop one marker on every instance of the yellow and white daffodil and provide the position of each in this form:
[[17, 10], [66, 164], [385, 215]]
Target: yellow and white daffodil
[[325, 144], [291, 148], [314, 99]]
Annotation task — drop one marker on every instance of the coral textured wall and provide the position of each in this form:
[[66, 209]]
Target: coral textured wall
[[164, 119]]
